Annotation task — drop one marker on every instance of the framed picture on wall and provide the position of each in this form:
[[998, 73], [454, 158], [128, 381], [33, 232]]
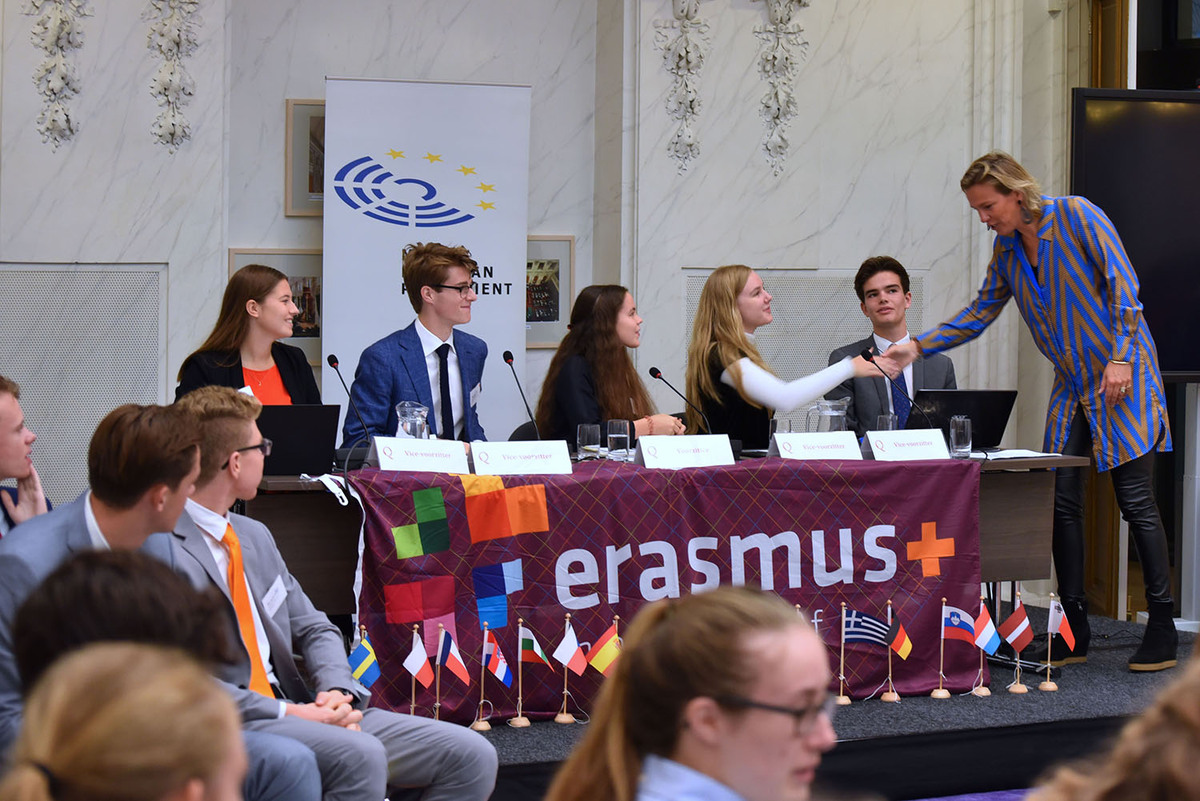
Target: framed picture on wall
[[303, 269], [549, 289], [304, 155]]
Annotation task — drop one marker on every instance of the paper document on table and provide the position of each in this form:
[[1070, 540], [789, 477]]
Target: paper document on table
[[1015, 453]]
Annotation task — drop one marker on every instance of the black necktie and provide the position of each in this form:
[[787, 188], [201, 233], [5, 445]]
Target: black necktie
[[447, 422]]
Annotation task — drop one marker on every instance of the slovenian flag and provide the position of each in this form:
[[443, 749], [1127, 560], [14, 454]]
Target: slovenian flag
[[986, 636], [363, 665], [417, 662], [1016, 628], [957, 625], [493, 657], [569, 653], [449, 658], [604, 653], [531, 651]]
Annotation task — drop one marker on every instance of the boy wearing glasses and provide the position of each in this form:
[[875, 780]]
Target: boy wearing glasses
[[359, 751], [429, 362]]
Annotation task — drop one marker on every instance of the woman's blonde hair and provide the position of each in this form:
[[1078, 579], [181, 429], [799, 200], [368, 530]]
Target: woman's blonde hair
[[675, 650], [1155, 756], [718, 327], [1007, 175], [120, 722]]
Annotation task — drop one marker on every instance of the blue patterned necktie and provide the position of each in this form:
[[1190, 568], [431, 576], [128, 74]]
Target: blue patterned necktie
[[900, 402]]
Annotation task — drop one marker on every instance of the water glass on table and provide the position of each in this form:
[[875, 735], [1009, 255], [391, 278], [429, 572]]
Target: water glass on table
[[960, 437], [887, 422], [618, 440], [587, 441]]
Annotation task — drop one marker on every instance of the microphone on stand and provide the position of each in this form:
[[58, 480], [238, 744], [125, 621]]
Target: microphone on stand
[[866, 354], [353, 451], [656, 373], [333, 362], [508, 359]]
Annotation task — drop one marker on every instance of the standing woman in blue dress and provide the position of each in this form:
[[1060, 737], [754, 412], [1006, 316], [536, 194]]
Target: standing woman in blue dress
[[1062, 261]]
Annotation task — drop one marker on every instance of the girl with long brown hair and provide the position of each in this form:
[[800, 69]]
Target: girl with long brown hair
[[244, 350], [591, 377], [726, 375]]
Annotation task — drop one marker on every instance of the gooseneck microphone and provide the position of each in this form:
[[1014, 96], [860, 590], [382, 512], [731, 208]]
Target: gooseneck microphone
[[333, 362], [866, 354], [656, 373], [508, 359]]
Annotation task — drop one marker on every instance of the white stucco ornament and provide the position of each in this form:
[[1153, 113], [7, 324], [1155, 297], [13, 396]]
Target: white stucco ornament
[[684, 44], [783, 48], [57, 32], [172, 37]]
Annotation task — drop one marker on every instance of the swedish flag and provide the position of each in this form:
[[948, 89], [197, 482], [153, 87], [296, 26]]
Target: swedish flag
[[363, 665]]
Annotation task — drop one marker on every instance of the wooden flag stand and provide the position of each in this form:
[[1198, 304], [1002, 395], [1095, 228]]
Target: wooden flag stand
[[563, 715], [980, 690], [480, 723], [890, 696], [520, 721], [842, 699], [437, 677], [1017, 687], [941, 692], [412, 706], [1048, 686]]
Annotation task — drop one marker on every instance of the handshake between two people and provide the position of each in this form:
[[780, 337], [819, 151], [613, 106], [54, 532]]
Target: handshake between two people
[[891, 363]]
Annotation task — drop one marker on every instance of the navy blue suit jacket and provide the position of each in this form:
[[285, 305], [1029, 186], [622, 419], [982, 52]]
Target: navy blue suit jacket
[[393, 370]]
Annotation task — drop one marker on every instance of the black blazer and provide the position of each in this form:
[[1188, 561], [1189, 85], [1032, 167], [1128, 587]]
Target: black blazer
[[224, 369]]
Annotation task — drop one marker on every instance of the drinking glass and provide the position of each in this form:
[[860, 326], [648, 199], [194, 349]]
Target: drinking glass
[[618, 440], [780, 426], [887, 422], [587, 441], [960, 437]]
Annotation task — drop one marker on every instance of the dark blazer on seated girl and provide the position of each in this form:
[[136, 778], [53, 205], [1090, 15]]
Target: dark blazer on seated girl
[[224, 369]]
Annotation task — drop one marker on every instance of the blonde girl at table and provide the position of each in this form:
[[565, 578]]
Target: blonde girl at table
[[244, 350], [591, 377], [727, 376], [717, 696]]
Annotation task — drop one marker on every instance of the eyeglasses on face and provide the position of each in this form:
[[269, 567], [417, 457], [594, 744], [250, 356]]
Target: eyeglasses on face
[[264, 446], [461, 289], [805, 717]]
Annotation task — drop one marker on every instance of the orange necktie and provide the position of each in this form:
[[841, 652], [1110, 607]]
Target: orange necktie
[[245, 617]]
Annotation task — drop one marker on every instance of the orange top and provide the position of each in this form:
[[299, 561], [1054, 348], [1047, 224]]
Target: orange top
[[267, 386]]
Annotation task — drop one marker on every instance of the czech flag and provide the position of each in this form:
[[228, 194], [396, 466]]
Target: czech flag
[[493, 657], [957, 625], [449, 658]]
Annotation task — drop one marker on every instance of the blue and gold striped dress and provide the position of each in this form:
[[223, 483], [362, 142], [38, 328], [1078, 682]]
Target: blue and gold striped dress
[[1081, 305]]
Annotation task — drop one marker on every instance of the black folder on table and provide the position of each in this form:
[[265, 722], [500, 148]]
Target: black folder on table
[[304, 438], [988, 409]]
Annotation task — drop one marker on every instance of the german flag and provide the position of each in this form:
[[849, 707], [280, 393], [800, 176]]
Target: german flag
[[898, 639]]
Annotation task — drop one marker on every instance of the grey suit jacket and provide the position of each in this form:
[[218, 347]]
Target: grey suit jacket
[[869, 396], [294, 626], [28, 554]]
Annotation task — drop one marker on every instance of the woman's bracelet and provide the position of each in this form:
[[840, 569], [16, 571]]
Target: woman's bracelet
[[649, 425]]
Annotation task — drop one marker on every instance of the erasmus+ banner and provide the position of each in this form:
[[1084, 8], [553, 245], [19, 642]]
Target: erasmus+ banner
[[426, 162]]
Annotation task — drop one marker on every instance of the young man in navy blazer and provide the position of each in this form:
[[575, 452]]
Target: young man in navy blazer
[[16, 447], [430, 361], [360, 751]]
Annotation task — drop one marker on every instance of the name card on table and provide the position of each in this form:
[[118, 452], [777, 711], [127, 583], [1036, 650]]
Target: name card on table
[[521, 458], [816, 445], [907, 446], [688, 450], [418, 455]]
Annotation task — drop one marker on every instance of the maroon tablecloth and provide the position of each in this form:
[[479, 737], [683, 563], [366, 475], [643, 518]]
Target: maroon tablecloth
[[453, 549]]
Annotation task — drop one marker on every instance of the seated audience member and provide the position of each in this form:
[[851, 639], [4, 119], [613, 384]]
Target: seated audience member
[[274, 619], [721, 695], [131, 722], [109, 596], [244, 350], [16, 447], [1154, 756], [882, 287], [726, 375], [429, 362], [142, 465], [591, 377]]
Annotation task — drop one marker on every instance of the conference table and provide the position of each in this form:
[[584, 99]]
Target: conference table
[[464, 550]]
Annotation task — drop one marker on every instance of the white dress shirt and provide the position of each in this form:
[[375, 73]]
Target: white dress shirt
[[99, 543], [881, 345], [429, 344]]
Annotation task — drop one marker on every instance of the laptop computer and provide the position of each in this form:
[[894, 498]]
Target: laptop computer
[[988, 409], [304, 438]]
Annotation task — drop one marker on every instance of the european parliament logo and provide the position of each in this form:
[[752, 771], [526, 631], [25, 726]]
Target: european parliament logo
[[412, 199]]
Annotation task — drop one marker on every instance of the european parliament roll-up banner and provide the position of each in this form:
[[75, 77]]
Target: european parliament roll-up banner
[[425, 162]]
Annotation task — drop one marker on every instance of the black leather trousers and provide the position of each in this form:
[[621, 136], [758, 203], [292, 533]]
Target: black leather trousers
[[1132, 482]]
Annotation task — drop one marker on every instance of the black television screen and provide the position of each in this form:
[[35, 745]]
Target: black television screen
[[1136, 155]]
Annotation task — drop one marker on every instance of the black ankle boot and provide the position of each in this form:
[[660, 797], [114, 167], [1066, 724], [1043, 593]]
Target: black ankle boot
[[1058, 653], [1159, 643]]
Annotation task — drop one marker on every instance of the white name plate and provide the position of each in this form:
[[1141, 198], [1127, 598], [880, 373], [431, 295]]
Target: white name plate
[[816, 445], [521, 458], [688, 450], [418, 455], [907, 446]]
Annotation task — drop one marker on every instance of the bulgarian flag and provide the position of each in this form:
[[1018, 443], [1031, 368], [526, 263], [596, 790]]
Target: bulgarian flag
[[530, 650], [569, 653], [605, 651]]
